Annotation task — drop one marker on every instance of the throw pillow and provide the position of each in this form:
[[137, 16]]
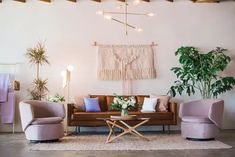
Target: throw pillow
[[79, 103], [102, 101], [92, 104], [162, 105], [149, 105]]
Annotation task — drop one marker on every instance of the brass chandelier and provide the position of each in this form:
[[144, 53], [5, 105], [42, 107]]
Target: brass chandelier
[[109, 15]]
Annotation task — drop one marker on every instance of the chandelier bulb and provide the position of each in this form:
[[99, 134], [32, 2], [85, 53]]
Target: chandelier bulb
[[108, 17], [150, 14], [136, 2], [100, 12], [138, 29]]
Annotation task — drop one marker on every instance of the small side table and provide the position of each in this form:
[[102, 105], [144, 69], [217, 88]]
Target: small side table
[[126, 128]]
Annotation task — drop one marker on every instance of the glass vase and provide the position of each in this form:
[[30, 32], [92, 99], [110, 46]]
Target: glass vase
[[124, 112]]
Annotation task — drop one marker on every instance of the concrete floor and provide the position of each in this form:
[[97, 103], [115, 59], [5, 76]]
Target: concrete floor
[[16, 146]]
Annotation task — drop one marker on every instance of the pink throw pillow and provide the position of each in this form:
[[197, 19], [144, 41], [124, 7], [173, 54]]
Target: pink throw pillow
[[162, 105], [79, 103]]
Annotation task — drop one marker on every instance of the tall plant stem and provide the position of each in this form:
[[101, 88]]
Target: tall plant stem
[[203, 82], [37, 70]]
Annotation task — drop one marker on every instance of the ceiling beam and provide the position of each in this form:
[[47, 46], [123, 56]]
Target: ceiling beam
[[142, 0], [97, 1], [20, 1], [72, 0], [206, 1], [46, 1], [195, 1]]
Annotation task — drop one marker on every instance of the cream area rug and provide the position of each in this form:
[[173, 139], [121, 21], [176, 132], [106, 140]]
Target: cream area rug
[[128, 142]]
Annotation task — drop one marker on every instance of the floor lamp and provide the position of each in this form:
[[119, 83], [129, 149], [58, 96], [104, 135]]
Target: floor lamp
[[66, 74]]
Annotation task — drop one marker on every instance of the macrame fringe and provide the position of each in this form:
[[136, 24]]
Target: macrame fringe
[[128, 74]]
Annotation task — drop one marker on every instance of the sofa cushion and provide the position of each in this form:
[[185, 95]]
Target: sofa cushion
[[47, 120], [162, 105], [92, 104], [102, 102], [196, 119]]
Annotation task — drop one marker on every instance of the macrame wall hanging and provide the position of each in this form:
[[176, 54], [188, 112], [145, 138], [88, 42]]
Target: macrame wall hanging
[[126, 63]]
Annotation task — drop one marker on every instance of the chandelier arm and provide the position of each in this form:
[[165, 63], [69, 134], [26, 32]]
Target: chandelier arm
[[131, 26], [125, 13], [110, 12], [126, 16]]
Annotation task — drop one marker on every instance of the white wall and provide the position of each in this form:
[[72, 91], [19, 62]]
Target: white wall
[[69, 30]]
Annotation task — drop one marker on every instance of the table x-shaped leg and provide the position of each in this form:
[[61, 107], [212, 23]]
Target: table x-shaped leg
[[128, 129], [111, 130]]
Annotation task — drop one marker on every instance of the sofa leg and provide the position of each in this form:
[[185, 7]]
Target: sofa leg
[[169, 129], [163, 128], [77, 129]]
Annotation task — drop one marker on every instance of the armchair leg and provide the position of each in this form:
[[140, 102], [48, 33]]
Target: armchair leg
[[43, 141]]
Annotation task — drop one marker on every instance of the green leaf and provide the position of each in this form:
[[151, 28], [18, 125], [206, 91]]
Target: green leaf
[[200, 71]]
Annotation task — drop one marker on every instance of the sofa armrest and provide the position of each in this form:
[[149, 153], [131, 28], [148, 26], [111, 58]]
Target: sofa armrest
[[173, 109], [70, 111]]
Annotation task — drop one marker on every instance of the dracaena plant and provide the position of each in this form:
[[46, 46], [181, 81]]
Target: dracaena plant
[[200, 71], [37, 56]]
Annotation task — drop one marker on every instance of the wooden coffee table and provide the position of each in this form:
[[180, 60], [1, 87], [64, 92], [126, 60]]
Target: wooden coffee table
[[126, 128]]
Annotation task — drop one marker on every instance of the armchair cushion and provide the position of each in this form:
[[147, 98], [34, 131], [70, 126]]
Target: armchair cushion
[[196, 119], [48, 120]]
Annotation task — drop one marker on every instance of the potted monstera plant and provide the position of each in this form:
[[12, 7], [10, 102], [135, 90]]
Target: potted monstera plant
[[200, 71]]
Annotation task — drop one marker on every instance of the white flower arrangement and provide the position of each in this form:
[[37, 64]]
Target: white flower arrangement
[[56, 98], [121, 103]]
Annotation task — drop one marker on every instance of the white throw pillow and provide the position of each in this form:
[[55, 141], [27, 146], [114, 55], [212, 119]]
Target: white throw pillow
[[149, 105]]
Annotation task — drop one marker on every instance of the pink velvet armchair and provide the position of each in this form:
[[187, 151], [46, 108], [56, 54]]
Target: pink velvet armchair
[[41, 120], [201, 119]]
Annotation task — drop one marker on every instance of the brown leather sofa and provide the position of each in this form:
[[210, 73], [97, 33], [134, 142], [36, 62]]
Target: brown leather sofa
[[89, 119]]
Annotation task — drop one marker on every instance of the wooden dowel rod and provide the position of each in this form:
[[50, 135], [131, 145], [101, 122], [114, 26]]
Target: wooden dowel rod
[[96, 44]]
